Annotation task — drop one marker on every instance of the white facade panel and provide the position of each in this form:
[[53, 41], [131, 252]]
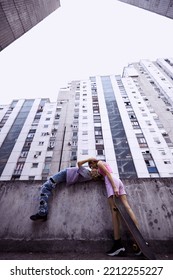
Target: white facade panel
[[157, 145], [139, 163]]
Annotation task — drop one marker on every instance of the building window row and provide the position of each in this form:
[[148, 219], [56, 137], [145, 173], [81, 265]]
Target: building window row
[[98, 134]]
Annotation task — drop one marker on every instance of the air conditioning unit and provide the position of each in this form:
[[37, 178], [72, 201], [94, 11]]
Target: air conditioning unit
[[165, 134], [51, 147]]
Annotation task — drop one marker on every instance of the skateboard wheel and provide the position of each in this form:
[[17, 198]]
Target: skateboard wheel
[[135, 247]]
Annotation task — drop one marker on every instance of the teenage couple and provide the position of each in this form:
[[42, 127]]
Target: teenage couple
[[72, 175]]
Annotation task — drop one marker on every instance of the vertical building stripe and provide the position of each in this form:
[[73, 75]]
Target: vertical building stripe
[[124, 159]]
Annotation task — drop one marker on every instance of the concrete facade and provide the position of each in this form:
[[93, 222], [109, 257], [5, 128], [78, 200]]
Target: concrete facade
[[19, 16], [164, 8], [80, 213]]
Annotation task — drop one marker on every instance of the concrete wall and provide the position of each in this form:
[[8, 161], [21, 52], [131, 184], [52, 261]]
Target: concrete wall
[[81, 213]]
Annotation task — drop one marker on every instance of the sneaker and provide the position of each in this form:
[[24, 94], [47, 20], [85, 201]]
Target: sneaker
[[116, 249], [37, 217]]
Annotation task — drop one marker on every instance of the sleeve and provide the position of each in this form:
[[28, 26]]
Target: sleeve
[[85, 173]]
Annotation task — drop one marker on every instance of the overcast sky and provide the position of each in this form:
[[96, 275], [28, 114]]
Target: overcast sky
[[80, 39]]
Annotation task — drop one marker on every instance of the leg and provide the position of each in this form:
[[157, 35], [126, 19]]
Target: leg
[[46, 192], [117, 246], [115, 218], [129, 209]]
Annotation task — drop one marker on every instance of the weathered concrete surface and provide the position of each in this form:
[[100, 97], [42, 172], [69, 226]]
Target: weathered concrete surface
[[80, 215]]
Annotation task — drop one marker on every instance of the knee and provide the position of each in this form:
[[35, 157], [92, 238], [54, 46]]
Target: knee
[[114, 210], [52, 180]]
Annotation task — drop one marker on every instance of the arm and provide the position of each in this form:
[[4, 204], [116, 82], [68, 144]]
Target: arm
[[108, 174], [80, 163]]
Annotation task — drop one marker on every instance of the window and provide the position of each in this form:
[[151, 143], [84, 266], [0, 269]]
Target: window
[[37, 117], [30, 135], [48, 159], [74, 133], [73, 155], [141, 140], [84, 125], [84, 152], [150, 163], [148, 122], [100, 152], [99, 141], [19, 166], [28, 144], [132, 116], [32, 131], [85, 132], [38, 153], [24, 154], [96, 109], [167, 162], [58, 109], [98, 130], [97, 119], [51, 144], [162, 151], [35, 165], [44, 133], [157, 140], [31, 178]]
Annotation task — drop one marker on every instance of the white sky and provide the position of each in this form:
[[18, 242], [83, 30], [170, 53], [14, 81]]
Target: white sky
[[82, 38]]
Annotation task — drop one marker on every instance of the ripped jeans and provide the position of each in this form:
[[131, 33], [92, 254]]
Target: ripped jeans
[[46, 190]]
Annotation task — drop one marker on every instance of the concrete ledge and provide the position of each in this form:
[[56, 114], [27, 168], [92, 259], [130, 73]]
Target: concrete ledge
[[79, 216]]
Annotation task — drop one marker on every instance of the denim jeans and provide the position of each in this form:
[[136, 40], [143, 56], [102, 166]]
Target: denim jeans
[[46, 190]]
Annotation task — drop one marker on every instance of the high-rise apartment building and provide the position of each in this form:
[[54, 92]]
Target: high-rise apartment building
[[162, 7], [127, 121], [28, 131], [19, 16]]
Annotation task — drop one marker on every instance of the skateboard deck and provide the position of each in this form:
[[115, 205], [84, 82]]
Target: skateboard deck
[[134, 230]]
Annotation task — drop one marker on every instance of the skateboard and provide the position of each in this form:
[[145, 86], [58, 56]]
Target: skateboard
[[134, 230]]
